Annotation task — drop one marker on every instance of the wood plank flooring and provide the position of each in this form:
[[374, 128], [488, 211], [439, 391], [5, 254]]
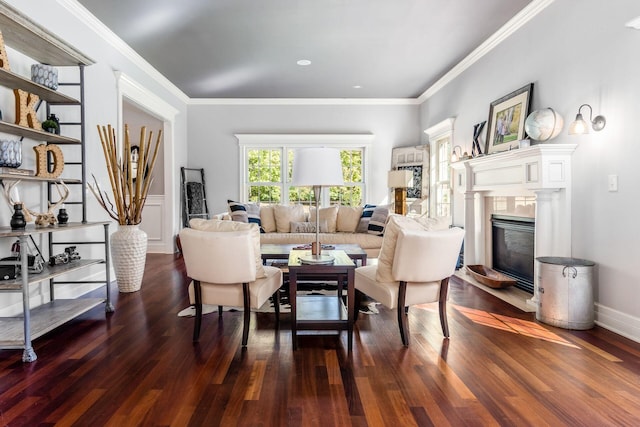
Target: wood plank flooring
[[138, 366]]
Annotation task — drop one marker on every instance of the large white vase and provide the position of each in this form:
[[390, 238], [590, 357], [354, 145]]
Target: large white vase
[[129, 254]]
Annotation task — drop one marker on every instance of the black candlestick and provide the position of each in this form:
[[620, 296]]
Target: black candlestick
[[17, 220]]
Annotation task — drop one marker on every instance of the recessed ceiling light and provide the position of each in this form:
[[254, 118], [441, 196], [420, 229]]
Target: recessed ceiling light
[[357, 87], [303, 62]]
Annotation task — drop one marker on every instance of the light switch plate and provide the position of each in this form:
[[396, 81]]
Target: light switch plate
[[613, 183]]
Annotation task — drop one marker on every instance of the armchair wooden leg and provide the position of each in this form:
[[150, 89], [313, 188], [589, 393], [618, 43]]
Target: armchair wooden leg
[[403, 322], [197, 291], [247, 313], [275, 298], [356, 305], [442, 303], [219, 311]]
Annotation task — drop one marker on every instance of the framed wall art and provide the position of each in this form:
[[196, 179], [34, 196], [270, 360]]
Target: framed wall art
[[506, 120]]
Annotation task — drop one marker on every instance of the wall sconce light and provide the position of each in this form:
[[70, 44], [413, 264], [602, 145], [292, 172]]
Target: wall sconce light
[[462, 156], [400, 180], [579, 125]]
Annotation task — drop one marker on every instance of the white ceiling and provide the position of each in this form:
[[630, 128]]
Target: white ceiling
[[249, 48]]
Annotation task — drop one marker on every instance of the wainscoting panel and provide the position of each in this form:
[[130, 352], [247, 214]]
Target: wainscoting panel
[[153, 223]]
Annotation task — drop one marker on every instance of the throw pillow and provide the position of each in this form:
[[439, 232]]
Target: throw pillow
[[219, 225], [308, 227], [328, 215], [245, 212], [395, 223], [348, 218], [285, 215], [363, 223], [267, 218], [378, 220]]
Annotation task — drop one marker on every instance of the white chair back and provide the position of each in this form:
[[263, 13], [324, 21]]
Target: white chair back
[[426, 256], [218, 257]]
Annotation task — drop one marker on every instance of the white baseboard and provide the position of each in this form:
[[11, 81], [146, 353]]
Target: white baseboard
[[616, 321]]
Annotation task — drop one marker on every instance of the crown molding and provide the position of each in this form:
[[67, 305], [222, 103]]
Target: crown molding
[[513, 25], [304, 101], [93, 23]]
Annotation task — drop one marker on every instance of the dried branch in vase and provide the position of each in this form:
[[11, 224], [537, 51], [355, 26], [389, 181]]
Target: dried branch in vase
[[130, 180]]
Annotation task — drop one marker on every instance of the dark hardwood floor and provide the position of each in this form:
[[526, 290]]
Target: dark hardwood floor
[[139, 366]]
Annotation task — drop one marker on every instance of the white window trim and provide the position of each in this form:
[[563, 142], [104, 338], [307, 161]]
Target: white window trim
[[436, 133], [286, 141]]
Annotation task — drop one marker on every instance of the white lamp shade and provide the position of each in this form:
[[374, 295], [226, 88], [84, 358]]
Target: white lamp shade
[[400, 179], [317, 167]]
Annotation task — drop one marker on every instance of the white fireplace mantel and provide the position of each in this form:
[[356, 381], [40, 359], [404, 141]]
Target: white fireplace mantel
[[543, 170]]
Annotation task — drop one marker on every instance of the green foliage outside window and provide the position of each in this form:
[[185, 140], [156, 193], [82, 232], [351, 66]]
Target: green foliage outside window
[[265, 179]]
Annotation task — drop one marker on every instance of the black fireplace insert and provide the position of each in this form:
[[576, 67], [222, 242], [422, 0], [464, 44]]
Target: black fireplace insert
[[513, 248]]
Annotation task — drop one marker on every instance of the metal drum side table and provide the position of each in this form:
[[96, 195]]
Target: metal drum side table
[[566, 292]]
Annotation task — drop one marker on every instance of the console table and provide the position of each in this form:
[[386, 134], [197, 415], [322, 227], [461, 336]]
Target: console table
[[319, 312]]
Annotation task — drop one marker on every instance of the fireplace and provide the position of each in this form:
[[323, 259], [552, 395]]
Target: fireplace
[[542, 171], [513, 243]]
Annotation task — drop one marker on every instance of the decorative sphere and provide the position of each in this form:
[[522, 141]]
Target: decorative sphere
[[543, 125]]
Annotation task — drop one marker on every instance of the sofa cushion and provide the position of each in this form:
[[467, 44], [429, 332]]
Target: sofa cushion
[[378, 220], [328, 215], [396, 223], [348, 218], [307, 227], [368, 242], [285, 215], [220, 225], [245, 212], [267, 218]]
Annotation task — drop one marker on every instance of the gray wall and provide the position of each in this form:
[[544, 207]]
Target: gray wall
[[213, 146], [574, 52]]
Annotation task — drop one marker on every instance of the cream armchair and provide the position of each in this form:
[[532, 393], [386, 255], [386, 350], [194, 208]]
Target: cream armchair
[[421, 266], [222, 266]]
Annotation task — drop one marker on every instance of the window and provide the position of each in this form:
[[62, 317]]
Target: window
[[443, 186], [441, 140], [267, 165]]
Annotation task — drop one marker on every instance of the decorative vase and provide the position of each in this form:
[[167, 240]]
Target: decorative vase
[[57, 121], [63, 216], [17, 220], [45, 75], [10, 153], [129, 252]]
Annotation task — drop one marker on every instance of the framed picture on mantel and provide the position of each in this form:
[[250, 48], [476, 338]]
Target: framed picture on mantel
[[506, 120]]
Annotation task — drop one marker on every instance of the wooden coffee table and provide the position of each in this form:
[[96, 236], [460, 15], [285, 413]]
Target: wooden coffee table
[[321, 312]]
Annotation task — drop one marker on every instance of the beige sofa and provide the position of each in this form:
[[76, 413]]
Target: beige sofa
[[294, 224]]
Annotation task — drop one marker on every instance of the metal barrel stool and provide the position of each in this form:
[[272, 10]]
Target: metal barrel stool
[[566, 292]]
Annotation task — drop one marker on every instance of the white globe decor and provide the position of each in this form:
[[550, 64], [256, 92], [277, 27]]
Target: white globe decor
[[543, 125]]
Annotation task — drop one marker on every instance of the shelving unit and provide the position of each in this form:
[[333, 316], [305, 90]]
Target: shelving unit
[[26, 36], [18, 332]]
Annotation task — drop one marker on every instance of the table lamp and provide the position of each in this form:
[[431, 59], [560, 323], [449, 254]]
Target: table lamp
[[400, 180], [317, 168]]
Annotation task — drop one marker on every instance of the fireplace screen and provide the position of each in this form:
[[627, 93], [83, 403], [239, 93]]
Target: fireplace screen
[[513, 248]]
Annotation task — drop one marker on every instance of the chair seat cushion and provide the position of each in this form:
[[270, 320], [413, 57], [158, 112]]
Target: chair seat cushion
[[230, 295], [386, 293]]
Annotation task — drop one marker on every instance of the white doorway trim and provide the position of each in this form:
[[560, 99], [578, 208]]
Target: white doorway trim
[[138, 95]]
